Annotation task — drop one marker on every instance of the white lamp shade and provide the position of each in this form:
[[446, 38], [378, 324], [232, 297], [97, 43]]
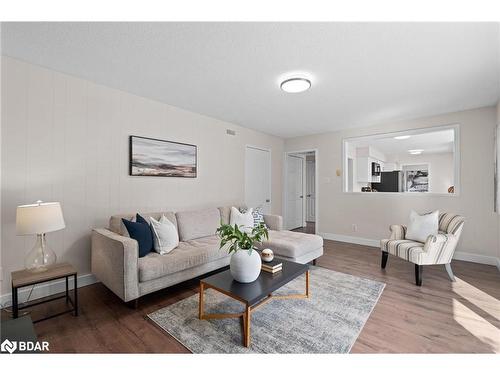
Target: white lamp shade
[[38, 218]]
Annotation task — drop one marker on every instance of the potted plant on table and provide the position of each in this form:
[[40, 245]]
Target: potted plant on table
[[245, 262]]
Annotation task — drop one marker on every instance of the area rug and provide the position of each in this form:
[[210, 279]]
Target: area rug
[[328, 322]]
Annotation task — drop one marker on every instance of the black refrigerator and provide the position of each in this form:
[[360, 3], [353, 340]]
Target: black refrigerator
[[390, 182]]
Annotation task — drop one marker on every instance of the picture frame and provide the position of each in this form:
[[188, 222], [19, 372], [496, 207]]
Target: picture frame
[[416, 178], [152, 157]]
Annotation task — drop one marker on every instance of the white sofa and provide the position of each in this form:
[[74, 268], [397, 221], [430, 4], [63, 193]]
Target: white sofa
[[115, 260]]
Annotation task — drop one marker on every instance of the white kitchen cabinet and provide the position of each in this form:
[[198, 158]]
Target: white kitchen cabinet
[[364, 169], [390, 166]]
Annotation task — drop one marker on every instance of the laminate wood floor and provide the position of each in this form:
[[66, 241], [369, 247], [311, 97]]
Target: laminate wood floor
[[439, 317]]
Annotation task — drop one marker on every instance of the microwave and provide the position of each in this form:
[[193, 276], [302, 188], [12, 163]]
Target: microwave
[[376, 171]]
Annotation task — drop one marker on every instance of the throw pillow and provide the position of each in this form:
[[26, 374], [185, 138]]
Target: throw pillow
[[165, 236], [123, 228], [141, 232], [243, 220], [422, 226], [258, 215]]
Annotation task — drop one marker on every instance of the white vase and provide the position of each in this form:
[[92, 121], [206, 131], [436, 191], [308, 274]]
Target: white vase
[[245, 265]]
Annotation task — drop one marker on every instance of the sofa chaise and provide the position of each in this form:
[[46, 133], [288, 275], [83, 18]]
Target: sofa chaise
[[116, 263]]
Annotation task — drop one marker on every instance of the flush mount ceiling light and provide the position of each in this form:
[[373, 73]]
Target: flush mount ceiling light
[[402, 137], [295, 85], [415, 152]]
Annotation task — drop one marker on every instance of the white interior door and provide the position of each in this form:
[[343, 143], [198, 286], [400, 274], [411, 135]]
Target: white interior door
[[311, 190], [258, 178], [295, 192]]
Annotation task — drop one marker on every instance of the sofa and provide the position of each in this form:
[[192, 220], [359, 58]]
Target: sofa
[[116, 263]]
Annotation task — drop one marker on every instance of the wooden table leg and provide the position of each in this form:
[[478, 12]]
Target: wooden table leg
[[200, 311], [246, 339], [307, 284]]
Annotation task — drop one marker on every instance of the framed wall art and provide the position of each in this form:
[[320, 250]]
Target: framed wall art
[[160, 158]]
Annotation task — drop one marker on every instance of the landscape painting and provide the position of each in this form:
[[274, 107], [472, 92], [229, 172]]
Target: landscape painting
[[158, 158]]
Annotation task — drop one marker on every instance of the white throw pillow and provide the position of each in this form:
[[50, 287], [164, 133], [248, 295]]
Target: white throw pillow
[[422, 226], [165, 236], [244, 221]]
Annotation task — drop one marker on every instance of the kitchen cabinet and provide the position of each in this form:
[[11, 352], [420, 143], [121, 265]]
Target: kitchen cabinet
[[364, 169]]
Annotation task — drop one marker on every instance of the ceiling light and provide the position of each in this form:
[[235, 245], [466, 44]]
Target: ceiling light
[[402, 137], [295, 85], [415, 152]]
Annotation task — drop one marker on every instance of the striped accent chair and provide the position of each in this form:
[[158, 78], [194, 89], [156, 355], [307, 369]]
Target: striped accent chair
[[437, 249]]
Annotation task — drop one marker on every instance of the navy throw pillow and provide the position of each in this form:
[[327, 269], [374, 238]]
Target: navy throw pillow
[[141, 232]]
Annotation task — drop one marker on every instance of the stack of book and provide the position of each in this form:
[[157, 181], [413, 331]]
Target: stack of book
[[273, 266]]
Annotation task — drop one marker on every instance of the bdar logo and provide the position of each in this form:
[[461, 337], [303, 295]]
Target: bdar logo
[[8, 346]]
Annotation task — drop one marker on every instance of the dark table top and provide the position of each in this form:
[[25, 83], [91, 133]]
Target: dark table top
[[265, 284]]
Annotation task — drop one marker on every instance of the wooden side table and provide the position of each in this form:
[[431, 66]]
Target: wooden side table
[[57, 271]]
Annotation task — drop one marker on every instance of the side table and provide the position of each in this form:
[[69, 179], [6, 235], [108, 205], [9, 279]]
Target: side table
[[57, 271]]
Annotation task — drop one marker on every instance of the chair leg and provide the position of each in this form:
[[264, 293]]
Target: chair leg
[[385, 256], [450, 271], [418, 274]]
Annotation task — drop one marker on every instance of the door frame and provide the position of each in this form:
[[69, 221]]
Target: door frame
[[270, 173], [285, 185], [306, 170]]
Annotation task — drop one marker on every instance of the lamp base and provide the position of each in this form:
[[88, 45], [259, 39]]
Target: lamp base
[[40, 256]]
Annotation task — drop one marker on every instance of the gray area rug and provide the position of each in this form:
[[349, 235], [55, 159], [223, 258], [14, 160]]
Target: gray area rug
[[328, 322]]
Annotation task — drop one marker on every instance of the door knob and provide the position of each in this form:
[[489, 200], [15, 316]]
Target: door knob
[[301, 196], [268, 200], [308, 195]]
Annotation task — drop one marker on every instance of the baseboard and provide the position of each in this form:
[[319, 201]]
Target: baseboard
[[475, 258], [46, 289], [350, 239], [459, 255]]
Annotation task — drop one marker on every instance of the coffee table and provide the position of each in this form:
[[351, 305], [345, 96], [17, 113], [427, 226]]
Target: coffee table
[[252, 295]]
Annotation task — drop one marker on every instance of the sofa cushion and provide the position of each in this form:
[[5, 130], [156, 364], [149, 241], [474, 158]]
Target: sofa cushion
[[165, 236], [244, 221], [289, 244], [225, 214], [141, 232], [187, 255], [409, 250], [116, 224], [197, 224]]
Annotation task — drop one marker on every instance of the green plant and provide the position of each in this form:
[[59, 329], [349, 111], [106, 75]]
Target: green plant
[[239, 239]]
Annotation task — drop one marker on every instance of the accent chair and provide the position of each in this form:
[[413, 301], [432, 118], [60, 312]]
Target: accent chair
[[437, 249]]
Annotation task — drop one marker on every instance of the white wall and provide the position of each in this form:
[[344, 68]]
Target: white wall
[[498, 177], [373, 213], [66, 139], [441, 168]]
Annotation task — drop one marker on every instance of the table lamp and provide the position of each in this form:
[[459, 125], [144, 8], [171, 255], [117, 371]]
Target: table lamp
[[39, 218]]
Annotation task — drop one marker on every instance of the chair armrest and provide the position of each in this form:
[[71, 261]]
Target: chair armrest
[[398, 232], [114, 260], [437, 239], [441, 247], [274, 222]]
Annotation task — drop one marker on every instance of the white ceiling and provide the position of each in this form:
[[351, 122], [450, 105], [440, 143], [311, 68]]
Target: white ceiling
[[431, 142], [362, 73]]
